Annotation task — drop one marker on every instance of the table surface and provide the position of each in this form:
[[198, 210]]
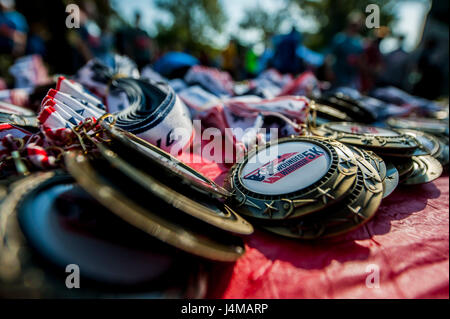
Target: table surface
[[406, 243]]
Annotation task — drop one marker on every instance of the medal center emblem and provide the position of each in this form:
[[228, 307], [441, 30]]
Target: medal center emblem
[[285, 168]]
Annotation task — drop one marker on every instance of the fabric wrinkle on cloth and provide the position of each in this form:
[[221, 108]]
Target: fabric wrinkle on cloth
[[408, 240]]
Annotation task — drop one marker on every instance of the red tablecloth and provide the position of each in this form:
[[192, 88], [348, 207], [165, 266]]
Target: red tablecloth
[[407, 240]]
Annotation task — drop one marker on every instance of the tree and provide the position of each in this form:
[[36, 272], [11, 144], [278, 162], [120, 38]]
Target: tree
[[194, 23], [268, 22], [332, 16]]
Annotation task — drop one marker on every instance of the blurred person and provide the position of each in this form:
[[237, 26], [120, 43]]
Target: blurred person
[[90, 40], [285, 58], [230, 58], [372, 64], [346, 49], [36, 43], [430, 83], [135, 43], [265, 60], [13, 29], [397, 67]]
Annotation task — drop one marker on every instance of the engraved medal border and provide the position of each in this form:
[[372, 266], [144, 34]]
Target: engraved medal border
[[228, 220], [207, 186], [357, 209], [330, 188], [142, 218], [391, 181], [381, 143], [436, 151], [434, 126], [426, 169]]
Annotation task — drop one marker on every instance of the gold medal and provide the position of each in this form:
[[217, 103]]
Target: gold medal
[[157, 162], [427, 125], [429, 143], [426, 169], [355, 210], [391, 181], [383, 141], [207, 209], [153, 217], [292, 178]]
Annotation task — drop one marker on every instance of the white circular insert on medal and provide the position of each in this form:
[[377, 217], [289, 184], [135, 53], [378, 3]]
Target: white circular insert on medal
[[362, 129], [285, 168]]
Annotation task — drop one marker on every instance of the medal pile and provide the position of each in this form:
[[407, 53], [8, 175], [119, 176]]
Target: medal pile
[[88, 181], [333, 179]]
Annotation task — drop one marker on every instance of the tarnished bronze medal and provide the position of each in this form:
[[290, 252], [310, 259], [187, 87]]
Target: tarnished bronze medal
[[329, 113], [353, 108], [389, 177], [444, 156], [292, 178], [404, 166]]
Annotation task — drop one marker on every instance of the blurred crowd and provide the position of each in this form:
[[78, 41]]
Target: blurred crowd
[[350, 60]]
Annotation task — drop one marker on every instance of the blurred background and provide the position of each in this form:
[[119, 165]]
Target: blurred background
[[329, 37]]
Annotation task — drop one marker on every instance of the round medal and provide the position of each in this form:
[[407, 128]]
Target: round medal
[[329, 113], [426, 169], [292, 178], [429, 143], [159, 162], [355, 210], [404, 166], [382, 140], [158, 218], [376, 161], [207, 209], [47, 216], [351, 107], [444, 156], [427, 125], [389, 177], [391, 181]]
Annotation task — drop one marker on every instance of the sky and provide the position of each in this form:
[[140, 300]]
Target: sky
[[410, 13]]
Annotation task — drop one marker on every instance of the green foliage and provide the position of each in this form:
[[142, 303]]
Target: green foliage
[[194, 23], [332, 16], [267, 22]]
